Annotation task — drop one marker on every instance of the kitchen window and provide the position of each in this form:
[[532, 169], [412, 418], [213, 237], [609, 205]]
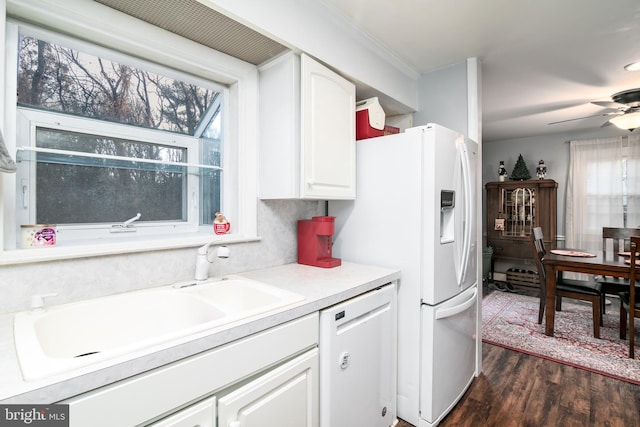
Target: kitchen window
[[106, 142], [111, 146]]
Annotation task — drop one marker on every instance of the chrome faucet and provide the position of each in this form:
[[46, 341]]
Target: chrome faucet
[[203, 259]]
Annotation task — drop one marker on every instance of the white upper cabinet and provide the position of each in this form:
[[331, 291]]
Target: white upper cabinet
[[307, 131]]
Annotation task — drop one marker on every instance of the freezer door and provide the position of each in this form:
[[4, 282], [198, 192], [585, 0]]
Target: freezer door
[[448, 352]]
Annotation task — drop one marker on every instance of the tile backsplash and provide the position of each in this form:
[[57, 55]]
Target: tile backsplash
[[84, 278]]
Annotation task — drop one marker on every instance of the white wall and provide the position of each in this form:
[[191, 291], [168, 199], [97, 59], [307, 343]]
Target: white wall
[[443, 98]]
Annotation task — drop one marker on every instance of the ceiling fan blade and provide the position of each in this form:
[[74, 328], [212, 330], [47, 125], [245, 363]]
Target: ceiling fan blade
[[586, 117], [609, 104]]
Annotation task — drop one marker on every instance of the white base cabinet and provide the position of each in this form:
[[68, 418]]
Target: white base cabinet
[[307, 131], [284, 397], [187, 390]]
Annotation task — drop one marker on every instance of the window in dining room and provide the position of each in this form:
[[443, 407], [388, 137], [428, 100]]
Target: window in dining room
[[603, 189], [630, 175]]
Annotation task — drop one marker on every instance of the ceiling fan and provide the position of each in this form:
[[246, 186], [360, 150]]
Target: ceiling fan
[[626, 106]]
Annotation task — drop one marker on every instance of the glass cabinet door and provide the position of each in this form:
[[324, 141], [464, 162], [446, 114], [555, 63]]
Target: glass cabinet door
[[518, 212]]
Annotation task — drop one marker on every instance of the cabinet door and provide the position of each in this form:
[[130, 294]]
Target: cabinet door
[[519, 211], [284, 397], [202, 414], [279, 152], [328, 150]]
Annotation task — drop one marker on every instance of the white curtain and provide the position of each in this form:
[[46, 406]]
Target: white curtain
[[594, 191], [603, 175], [633, 182]]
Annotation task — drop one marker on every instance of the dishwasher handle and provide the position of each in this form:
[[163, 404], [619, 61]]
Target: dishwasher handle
[[443, 313]]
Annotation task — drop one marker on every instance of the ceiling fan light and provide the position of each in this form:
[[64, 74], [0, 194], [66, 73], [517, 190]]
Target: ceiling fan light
[[634, 66], [627, 121]]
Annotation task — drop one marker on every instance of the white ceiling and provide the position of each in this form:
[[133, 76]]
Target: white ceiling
[[542, 60]]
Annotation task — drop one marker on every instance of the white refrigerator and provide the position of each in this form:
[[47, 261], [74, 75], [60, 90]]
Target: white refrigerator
[[415, 210]]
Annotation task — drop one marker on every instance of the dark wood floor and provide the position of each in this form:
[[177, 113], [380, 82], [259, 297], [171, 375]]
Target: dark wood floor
[[516, 389]]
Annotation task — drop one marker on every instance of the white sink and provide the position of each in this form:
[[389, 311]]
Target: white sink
[[69, 336], [240, 296]]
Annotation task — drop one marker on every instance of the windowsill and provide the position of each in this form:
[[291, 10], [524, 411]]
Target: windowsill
[[122, 246]]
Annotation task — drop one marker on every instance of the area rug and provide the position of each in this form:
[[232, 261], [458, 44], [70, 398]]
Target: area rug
[[510, 320]]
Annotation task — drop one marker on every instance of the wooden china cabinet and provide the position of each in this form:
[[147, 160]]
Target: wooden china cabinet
[[514, 208]]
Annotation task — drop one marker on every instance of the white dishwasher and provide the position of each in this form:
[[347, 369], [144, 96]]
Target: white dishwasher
[[358, 361]]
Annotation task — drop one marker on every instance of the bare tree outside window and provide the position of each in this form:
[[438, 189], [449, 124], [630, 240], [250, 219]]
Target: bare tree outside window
[[63, 80], [60, 79]]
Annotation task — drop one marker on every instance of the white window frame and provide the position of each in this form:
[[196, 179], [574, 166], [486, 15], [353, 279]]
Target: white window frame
[[98, 24], [29, 120]]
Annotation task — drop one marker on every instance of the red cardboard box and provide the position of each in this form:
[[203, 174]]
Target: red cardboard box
[[390, 130]]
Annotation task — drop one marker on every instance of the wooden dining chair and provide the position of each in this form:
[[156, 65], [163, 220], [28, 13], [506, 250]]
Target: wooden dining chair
[[615, 240], [619, 237], [577, 289], [626, 306]]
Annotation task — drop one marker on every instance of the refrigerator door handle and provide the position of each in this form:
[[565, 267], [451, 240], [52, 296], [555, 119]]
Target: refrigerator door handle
[[463, 158], [442, 313], [469, 205]]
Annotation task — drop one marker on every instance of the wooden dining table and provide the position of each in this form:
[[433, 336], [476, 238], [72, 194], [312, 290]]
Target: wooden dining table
[[603, 264]]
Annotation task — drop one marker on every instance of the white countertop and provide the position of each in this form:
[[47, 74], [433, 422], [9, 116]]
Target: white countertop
[[321, 287]]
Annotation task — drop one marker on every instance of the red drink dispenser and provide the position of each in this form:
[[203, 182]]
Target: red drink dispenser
[[315, 242]]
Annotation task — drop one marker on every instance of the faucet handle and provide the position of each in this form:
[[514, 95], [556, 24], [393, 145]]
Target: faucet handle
[[223, 252], [37, 301]]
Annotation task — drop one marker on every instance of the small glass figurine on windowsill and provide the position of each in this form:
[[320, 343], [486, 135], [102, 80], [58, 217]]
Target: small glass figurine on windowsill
[[502, 172], [541, 170]]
